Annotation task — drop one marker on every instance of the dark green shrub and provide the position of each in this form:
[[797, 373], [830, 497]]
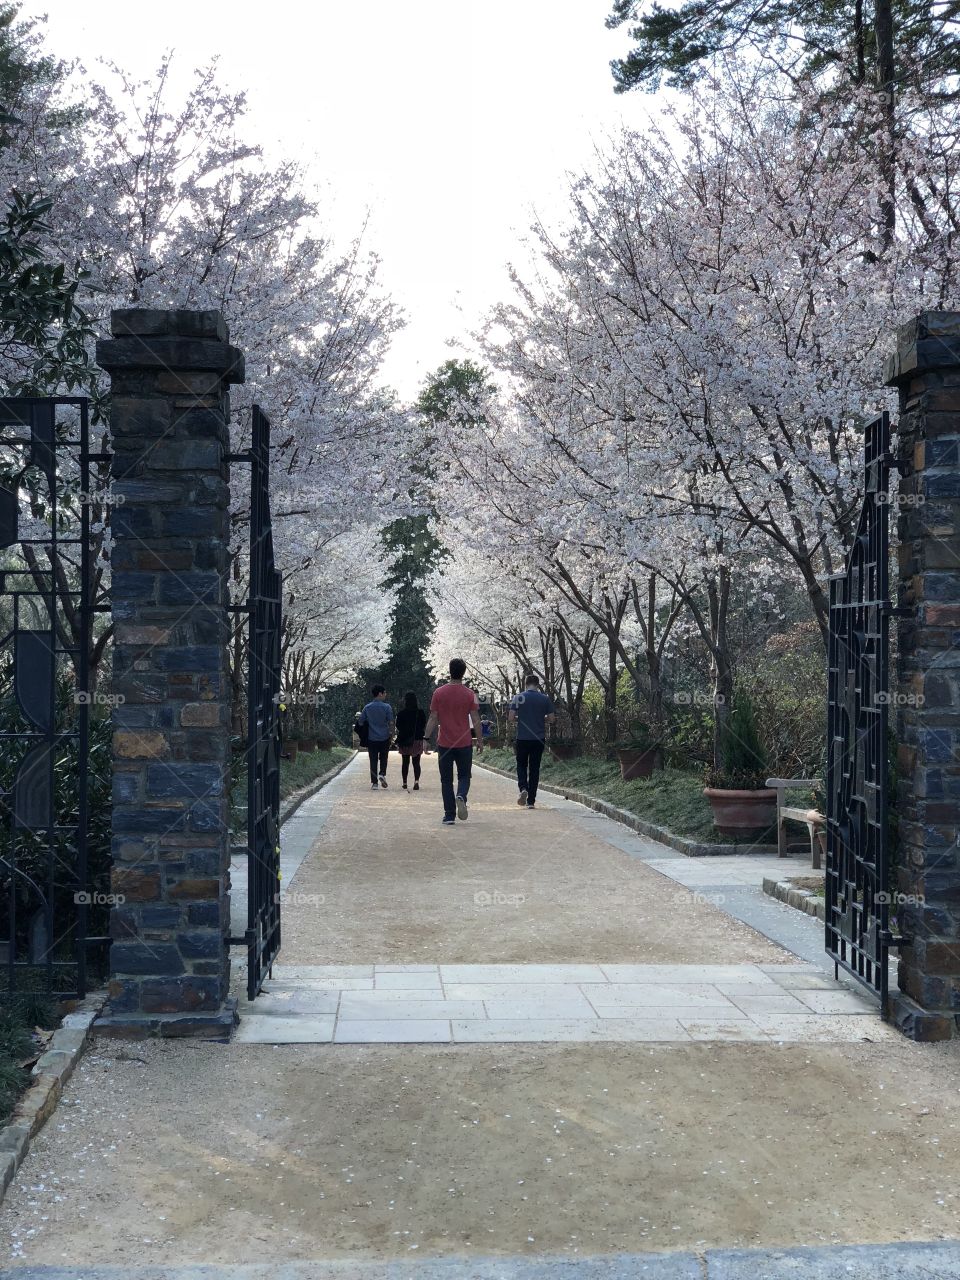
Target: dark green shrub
[[745, 764]]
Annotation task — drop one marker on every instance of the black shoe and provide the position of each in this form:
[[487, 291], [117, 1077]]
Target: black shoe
[[403, 786], [416, 786], [449, 822], [522, 798], [531, 806]]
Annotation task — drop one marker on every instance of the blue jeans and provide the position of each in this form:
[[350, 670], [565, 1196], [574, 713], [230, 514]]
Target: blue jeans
[[462, 757]]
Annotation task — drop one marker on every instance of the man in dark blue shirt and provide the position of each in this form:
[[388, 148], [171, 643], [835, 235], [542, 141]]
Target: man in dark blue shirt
[[377, 715], [533, 711]]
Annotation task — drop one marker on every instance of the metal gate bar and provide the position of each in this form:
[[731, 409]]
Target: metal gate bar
[[264, 608], [857, 933], [44, 846]]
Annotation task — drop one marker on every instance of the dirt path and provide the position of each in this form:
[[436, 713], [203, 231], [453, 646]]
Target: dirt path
[[386, 882], [188, 1153], [224, 1154]]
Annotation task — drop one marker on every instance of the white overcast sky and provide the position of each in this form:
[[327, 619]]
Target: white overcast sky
[[448, 121]]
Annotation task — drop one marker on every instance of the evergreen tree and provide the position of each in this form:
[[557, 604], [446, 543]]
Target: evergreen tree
[[676, 44], [412, 548]]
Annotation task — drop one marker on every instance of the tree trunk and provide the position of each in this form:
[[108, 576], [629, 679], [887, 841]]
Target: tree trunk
[[883, 30], [718, 592], [610, 731]]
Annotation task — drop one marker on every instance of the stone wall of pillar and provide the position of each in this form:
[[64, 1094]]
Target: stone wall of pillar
[[926, 369], [169, 960]]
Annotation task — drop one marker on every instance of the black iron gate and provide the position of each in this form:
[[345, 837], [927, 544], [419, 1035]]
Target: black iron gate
[[54, 732], [262, 937], [858, 933]]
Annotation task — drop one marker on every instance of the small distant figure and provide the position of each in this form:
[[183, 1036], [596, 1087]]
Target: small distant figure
[[377, 716], [456, 710], [533, 711], [411, 730]]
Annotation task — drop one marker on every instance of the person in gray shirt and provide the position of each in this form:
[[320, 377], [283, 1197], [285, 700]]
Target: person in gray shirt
[[377, 715]]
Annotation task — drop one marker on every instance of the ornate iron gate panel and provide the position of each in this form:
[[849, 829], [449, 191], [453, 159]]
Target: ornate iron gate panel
[[857, 889], [262, 938], [54, 846]]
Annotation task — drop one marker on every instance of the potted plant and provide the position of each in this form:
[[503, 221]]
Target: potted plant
[[741, 801], [637, 752]]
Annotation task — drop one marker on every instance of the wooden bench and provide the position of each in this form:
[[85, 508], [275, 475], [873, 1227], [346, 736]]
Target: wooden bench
[[815, 821]]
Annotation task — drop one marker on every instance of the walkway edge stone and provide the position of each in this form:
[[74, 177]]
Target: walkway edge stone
[[50, 1073], [919, 1260], [293, 802], [802, 899], [683, 844]]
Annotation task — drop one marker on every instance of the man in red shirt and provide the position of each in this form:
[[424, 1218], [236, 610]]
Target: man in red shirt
[[455, 707]]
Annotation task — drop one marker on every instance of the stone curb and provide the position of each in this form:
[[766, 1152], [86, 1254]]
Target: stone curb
[[692, 848], [802, 899], [50, 1073], [922, 1260], [293, 802]]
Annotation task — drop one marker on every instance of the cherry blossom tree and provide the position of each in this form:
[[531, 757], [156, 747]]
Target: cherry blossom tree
[[160, 203]]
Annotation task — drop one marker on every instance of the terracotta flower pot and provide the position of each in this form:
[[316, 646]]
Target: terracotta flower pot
[[742, 813], [635, 763], [290, 751], [308, 744]]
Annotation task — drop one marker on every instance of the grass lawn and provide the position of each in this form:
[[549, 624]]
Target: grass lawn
[[308, 766], [671, 798]]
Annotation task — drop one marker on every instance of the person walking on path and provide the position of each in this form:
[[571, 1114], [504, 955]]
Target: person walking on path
[[377, 715], [411, 728], [533, 711], [455, 708]]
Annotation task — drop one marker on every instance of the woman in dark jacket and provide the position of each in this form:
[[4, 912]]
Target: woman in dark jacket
[[411, 723]]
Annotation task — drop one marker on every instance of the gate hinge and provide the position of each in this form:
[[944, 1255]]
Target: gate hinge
[[902, 465]]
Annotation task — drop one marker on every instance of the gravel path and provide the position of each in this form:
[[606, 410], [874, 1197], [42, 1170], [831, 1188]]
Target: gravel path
[[181, 1153], [385, 882]]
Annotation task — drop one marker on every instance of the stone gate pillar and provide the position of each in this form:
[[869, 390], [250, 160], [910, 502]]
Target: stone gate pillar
[[926, 369], [169, 962]]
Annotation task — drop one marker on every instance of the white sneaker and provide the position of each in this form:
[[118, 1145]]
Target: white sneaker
[[462, 809]]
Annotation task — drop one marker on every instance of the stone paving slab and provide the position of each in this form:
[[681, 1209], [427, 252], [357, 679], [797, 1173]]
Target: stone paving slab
[[393, 1031], [537, 1003], [299, 1029], [939, 1260]]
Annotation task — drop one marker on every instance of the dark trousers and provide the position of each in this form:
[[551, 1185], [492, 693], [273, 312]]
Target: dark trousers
[[462, 758], [378, 753], [529, 755], [405, 768]]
